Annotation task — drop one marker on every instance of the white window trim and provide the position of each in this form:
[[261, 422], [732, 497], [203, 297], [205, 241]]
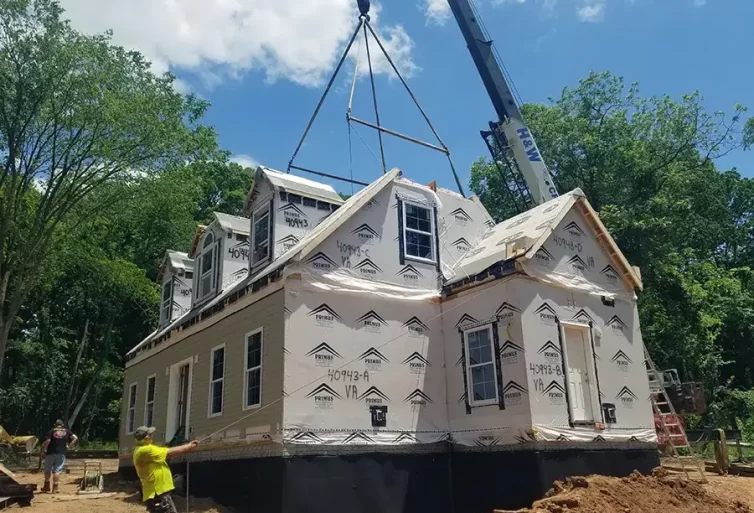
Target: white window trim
[[146, 399], [406, 229], [131, 411], [246, 370], [470, 385], [253, 235], [211, 382], [208, 251]]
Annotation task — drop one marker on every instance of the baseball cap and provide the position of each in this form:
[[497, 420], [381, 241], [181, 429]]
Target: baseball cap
[[58, 422], [143, 431]]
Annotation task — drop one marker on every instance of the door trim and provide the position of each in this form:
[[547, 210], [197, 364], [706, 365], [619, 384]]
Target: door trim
[[173, 385], [592, 374], [564, 363]]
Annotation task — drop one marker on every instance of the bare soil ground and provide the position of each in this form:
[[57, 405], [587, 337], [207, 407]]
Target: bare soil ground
[[660, 493], [118, 497]]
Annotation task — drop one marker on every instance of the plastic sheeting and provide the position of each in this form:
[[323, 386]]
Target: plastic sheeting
[[347, 281], [574, 282]]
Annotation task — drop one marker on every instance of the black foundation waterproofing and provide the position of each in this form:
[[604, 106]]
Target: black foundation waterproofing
[[443, 482]]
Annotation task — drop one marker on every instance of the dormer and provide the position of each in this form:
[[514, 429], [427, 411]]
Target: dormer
[[221, 255], [175, 278], [283, 208]]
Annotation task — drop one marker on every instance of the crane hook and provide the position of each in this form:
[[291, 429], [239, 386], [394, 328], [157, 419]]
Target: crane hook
[[363, 8]]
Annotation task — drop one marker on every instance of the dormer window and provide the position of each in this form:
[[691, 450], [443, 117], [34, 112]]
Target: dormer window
[[206, 266], [260, 234]]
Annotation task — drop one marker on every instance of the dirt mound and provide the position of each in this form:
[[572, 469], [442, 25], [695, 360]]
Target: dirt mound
[[658, 493]]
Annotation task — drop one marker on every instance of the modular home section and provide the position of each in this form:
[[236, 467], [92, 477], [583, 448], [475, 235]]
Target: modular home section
[[400, 338]]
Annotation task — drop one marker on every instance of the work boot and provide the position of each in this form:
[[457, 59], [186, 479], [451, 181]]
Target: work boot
[[46, 487], [55, 488]]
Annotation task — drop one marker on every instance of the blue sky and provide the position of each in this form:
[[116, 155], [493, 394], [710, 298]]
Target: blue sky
[[263, 89]]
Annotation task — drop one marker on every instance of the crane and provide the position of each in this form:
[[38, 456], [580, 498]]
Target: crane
[[513, 149]]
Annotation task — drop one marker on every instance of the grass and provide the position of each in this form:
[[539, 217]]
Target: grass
[[96, 445]]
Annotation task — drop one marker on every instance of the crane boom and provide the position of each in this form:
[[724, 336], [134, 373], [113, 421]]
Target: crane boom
[[511, 138]]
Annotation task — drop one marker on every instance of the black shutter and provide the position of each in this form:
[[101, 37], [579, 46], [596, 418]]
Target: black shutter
[[465, 376], [498, 367], [565, 371], [218, 265], [437, 240], [596, 370], [401, 248], [271, 241]]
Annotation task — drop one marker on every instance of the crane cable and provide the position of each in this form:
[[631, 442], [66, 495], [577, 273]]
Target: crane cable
[[349, 109]]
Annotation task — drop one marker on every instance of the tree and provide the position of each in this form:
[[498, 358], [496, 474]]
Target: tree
[[76, 113], [96, 298]]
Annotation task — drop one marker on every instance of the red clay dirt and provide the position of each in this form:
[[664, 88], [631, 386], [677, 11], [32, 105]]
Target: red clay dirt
[[659, 493]]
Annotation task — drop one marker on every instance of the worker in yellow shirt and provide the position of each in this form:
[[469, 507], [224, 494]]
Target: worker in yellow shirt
[[151, 466]]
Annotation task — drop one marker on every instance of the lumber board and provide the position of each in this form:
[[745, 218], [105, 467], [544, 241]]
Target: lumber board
[[91, 496], [4, 471]]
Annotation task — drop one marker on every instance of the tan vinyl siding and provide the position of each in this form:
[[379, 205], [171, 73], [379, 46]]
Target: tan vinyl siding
[[231, 331]]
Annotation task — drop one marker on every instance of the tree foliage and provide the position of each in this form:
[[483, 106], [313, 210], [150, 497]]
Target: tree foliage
[[97, 298], [647, 164], [76, 113]]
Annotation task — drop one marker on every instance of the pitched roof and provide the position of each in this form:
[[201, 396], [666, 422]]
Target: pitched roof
[[295, 184], [233, 224], [176, 260], [520, 237]]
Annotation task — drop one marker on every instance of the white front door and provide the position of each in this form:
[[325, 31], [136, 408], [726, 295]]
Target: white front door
[[580, 386]]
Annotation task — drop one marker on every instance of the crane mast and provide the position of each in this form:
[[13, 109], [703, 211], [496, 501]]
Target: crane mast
[[514, 151]]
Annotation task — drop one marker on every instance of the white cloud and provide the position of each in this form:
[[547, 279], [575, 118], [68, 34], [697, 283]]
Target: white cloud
[[592, 13], [397, 43], [245, 160], [700, 3], [298, 40], [436, 11]]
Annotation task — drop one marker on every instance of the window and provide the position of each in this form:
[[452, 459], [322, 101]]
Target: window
[[294, 198], [417, 232], [167, 301], [253, 370], [283, 196], [206, 266], [310, 202], [131, 413], [189, 275], [261, 236], [149, 401], [481, 366], [216, 381], [323, 205]]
